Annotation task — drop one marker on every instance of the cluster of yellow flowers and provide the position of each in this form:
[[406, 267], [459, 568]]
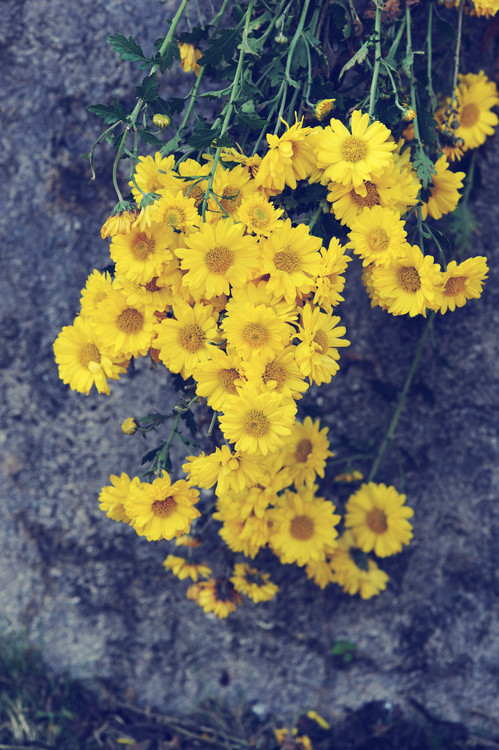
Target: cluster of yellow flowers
[[487, 8]]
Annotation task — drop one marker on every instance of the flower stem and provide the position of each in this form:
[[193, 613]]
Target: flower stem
[[116, 162], [377, 60]]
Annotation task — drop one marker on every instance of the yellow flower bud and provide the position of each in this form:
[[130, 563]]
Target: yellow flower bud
[[161, 121], [408, 114], [129, 426]]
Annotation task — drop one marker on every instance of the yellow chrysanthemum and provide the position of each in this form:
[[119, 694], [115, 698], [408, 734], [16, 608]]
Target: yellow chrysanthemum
[[83, 361], [377, 516], [215, 596], [253, 583], [118, 223], [320, 336], [113, 497], [377, 235], [183, 569], [290, 158], [157, 294], [98, 286], [219, 377], [217, 257], [189, 56], [176, 211], [330, 281], [259, 215], [320, 572], [140, 255], [407, 284], [281, 374], [306, 451], [486, 8], [248, 536], [460, 282], [255, 331], [354, 571], [150, 175], [354, 156], [228, 470], [291, 258], [125, 330], [185, 340], [444, 190], [257, 422], [230, 188], [476, 97], [161, 510], [303, 527], [323, 108], [257, 293]]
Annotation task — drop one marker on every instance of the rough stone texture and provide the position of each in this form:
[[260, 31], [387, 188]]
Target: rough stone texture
[[93, 592]]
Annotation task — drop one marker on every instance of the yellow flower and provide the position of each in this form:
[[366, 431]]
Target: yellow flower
[[182, 569], [215, 596], [377, 516], [98, 286], [257, 422], [83, 361], [140, 255], [176, 211], [189, 56], [444, 196], [330, 281], [476, 97], [354, 156], [281, 373], [119, 223], [218, 377], [161, 510], [229, 470], [486, 8], [306, 451], [460, 282], [323, 108], [191, 188], [185, 340], [303, 527], [230, 188], [377, 235], [156, 294], [259, 215], [113, 497], [290, 158], [320, 336], [217, 257], [354, 571], [255, 331], [151, 174], [129, 426], [291, 258], [320, 572], [253, 583], [125, 330], [248, 536], [407, 284]]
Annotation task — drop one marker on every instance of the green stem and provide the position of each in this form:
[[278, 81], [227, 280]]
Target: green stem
[[116, 161], [456, 63], [410, 55], [429, 43], [314, 218], [377, 60], [400, 404], [212, 424], [99, 139]]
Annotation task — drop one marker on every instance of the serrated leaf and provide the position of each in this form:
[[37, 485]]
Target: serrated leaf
[[203, 134], [250, 116], [251, 46], [128, 49], [150, 455], [148, 89], [358, 58], [425, 169], [221, 47], [149, 137], [171, 53], [194, 36], [107, 112]]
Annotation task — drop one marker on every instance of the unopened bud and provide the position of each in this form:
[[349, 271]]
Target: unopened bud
[[161, 121], [409, 114], [280, 38], [129, 426]]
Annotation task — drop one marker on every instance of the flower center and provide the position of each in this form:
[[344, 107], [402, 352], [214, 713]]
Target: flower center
[[302, 528], [274, 371], [287, 261], [376, 520], [226, 379], [353, 149], [370, 199], [174, 217], [259, 217], [255, 423], [151, 286], [409, 279], [142, 246], [322, 339], [130, 320], [255, 334], [303, 451], [164, 508], [469, 115], [194, 191], [191, 337], [89, 353], [219, 259], [378, 240], [231, 198], [455, 285]]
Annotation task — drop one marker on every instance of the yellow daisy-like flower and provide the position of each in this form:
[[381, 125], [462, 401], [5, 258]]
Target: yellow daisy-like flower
[[303, 527], [330, 281], [185, 340], [320, 572], [257, 293], [161, 510], [306, 451], [253, 583], [156, 294], [354, 571], [82, 360], [124, 330], [407, 284], [151, 174], [476, 97], [290, 158], [281, 374], [216, 595], [377, 235], [255, 331], [191, 188], [97, 288], [248, 536], [219, 377], [176, 211], [182, 569], [291, 258], [140, 255], [229, 470], [231, 187], [259, 215], [217, 257], [323, 108], [320, 336], [377, 516], [257, 422], [119, 223], [113, 497], [354, 156], [444, 190], [189, 56], [486, 8], [461, 282]]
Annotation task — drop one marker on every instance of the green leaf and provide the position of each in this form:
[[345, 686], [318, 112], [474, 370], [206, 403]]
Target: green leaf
[[341, 19], [192, 37], [359, 56], [107, 112], [148, 89], [251, 46], [250, 116], [149, 137], [221, 47], [128, 49], [171, 53], [203, 134], [425, 169]]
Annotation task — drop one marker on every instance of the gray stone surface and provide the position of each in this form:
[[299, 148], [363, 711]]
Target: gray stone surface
[[91, 591]]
